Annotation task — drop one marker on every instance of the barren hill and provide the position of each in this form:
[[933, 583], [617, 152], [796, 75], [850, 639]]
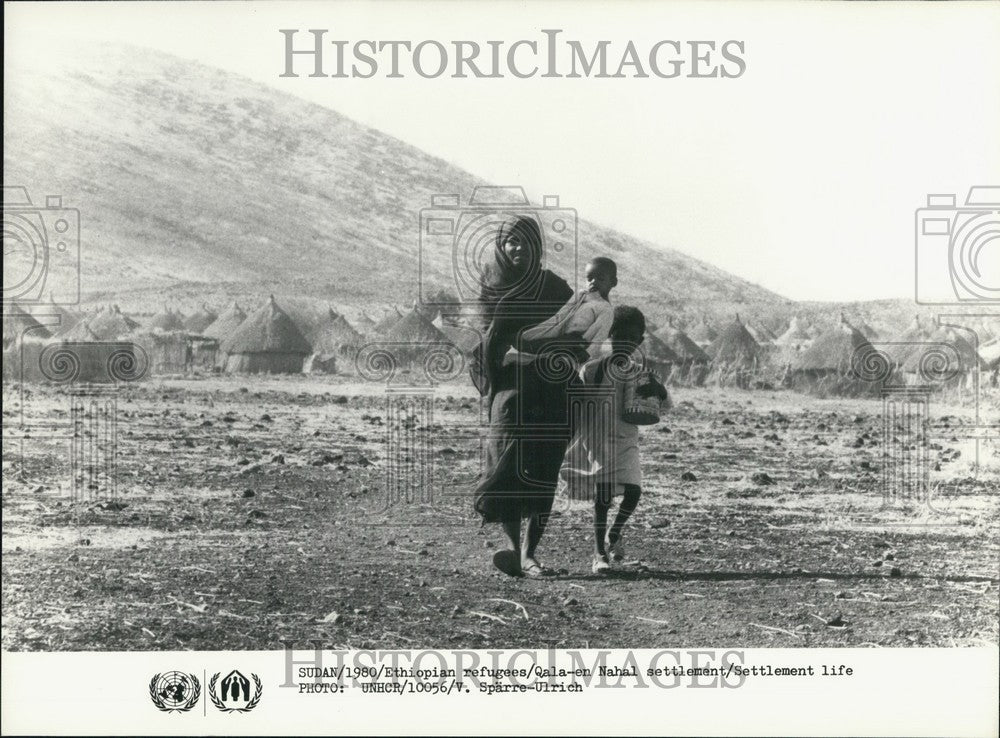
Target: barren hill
[[196, 183]]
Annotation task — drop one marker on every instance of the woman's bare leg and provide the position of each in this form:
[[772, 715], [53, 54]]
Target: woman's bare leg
[[536, 529], [512, 529]]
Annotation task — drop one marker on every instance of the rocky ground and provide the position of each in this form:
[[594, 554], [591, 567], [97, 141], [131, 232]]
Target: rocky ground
[[247, 513]]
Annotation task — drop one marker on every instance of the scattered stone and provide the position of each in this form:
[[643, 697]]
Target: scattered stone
[[840, 595], [39, 488], [659, 523], [895, 572], [256, 514], [688, 477], [266, 418], [278, 459], [248, 493], [327, 458], [569, 601], [762, 478], [333, 618], [836, 621]]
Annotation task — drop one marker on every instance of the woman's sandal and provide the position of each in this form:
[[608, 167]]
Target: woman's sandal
[[531, 568], [509, 562]]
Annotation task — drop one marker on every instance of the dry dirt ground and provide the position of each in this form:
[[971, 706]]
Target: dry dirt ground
[[252, 511]]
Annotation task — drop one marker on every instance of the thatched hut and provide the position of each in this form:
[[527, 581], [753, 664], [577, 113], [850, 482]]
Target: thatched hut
[[912, 341], [761, 334], [867, 330], [18, 323], [364, 324], [796, 336], [226, 324], [417, 333], [267, 342], [946, 359], [693, 361], [735, 356], [165, 321], [387, 322], [112, 324], [659, 356], [702, 333], [58, 319], [73, 362], [200, 319], [334, 338], [838, 362]]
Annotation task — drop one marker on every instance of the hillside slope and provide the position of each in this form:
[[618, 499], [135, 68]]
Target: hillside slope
[[194, 182]]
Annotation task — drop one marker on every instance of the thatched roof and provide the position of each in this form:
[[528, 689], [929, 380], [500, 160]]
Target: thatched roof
[[907, 343], [927, 357], [735, 347], [335, 334], [682, 345], [18, 322], [112, 323], [50, 311], [657, 350], [227, 323], [166, 320], [79, 332], [415, 328], [796, 333], [388, 321], [200, 319], [364, 323], [268, 330], [702, 333], [761, 334], [835, 350], [866, 330]]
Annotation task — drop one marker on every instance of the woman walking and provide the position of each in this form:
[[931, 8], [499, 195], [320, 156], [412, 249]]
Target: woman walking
[[526, 390]]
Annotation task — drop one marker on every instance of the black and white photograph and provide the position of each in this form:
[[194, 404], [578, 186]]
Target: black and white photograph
[[548, 347]]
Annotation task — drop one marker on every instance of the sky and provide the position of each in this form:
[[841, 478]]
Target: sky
[[801, 175]]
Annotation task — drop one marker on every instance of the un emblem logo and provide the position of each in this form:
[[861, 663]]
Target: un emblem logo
[[174, 691], [234, 693]]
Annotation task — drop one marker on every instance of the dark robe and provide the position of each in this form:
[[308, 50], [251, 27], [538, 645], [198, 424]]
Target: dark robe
[[529, 424]]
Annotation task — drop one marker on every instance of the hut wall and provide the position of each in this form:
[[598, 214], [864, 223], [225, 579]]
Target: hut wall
[[264, 363]]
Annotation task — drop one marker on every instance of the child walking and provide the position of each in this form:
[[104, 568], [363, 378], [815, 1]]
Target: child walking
[[602, 461]]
